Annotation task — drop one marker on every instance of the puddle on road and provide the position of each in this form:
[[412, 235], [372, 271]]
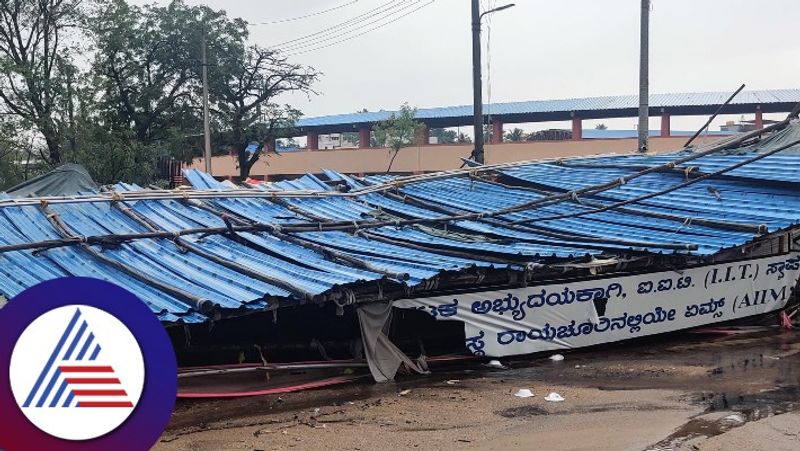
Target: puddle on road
[[746, 377], [529, 411], [743, 408], [685, 362]]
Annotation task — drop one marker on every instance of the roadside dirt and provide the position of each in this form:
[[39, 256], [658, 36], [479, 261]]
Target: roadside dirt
[[679, 392]]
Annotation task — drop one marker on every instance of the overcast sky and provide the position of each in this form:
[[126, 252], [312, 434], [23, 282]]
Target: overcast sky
[[540, 49]]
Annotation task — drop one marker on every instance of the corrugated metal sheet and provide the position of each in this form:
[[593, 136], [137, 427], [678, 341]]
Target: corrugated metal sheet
[[206, 276], [673, 100]]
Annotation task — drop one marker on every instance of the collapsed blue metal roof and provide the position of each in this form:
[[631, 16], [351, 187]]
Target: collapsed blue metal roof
[[774, 100], [307, 251]]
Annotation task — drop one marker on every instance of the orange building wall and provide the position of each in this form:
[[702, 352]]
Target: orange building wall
[[427, 158]]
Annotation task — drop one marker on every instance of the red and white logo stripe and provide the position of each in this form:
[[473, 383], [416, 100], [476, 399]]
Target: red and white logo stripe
[[95, 386]]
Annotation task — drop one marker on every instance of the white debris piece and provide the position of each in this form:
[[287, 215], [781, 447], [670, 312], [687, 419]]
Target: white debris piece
[[556, 357], [524, 393], [554, 397], [737, 418], [496, 364]]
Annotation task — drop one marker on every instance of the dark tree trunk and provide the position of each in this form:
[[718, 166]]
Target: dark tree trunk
[[53, 144], [245, 163]]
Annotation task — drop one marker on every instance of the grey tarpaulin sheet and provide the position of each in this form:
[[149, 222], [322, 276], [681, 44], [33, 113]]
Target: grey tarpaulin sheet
[[66, 180], [383, 357]]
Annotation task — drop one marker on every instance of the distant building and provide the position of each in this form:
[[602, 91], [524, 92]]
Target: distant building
[[562, 135], [335, 141], [743, 126]]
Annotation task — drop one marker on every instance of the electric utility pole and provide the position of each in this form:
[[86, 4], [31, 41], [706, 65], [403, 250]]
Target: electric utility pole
[[477, 82], [644, 77], [206, 125]]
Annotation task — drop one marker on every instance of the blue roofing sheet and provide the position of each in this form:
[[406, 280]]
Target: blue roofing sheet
[[203, 276]]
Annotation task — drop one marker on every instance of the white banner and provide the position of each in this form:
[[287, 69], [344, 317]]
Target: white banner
[[577, 314]]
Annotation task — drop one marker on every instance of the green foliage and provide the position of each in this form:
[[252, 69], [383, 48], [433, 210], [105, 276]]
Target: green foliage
[[273, 123], [601, 126], [351, 137], [445, 136], [244, 88], [37, 76], [17, 156], [140, 96], [287, 142], [149, 66], [400, 130], [516, 135], [148, 63], [11, 168], [463, 139], [111, 156]]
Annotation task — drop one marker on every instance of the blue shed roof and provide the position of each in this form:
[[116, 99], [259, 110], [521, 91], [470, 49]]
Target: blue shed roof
[[307, 251], [689, 103]]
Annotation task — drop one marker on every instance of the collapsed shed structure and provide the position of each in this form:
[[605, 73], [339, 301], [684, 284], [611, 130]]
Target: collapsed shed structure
[[527, 256]]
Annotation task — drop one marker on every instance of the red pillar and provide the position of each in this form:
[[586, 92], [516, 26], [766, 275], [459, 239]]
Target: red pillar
[[577, 128], [313, 141], [497, 132], [759, 118], [364, 137], [423, 135], [665, 125]]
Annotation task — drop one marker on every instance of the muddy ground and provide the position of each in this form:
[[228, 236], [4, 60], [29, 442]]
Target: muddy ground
[[682, 392]]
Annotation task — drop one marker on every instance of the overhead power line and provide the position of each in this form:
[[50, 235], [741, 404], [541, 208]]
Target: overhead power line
[[353, 21], [302, 49], [346, 31], [306, 16]]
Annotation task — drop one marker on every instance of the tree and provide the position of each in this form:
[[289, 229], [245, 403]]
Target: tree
[[351, 137], [289, 143], [140, 96], [444, 136], [399, 131], [37, 76], [113, 155], [148, 63], [516, 135], [600, 126], [9, 169], [16, 153], [243, 93], [463, 138]]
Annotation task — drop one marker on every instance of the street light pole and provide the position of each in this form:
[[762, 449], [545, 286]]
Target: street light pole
[[477, 81]]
